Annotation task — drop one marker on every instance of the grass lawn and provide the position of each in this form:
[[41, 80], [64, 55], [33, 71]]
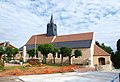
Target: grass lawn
[[13, 67], [51, 64]]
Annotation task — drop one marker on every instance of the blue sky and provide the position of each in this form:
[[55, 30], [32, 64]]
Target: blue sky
[[20, 19]]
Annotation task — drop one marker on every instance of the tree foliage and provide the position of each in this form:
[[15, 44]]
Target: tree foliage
[[45, 49], [116, 57], [8, 52], [32, 53], [14, 52], [64, 51], [78, 53], [118, 45], [2, 51]]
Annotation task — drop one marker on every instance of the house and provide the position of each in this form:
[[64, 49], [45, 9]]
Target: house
[[91, 53], [6, 44]]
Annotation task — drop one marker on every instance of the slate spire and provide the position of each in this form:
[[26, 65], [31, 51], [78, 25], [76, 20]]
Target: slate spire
[[51, 28], [51, 19]]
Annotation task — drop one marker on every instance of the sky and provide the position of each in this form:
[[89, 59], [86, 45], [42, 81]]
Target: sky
[[20, 19]]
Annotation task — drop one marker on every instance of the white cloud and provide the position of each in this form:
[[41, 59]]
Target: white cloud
[[19, 19]]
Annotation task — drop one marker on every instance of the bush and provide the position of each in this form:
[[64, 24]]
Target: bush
[[1, 63], [34, 61]]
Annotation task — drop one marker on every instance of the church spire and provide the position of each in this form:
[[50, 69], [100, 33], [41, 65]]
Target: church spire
[[51, 19], [51, 28]]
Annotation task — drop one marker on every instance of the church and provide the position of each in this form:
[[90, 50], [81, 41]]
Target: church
[[91, 54]]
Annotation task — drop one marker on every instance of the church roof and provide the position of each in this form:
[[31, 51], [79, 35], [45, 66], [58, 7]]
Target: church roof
[[74, 37], [74, 44], [43, 38], [81, 40], [99, 51], [40, 39]]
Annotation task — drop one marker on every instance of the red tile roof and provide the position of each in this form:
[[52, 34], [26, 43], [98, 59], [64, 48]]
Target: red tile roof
[[74, 37], [43, 38], [99, 51], [40, 39], [11, 46]]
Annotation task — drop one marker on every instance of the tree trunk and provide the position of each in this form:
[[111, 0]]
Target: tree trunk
[[54, 59], [61, 60], [44, 59], [69, 60], [0, 56]]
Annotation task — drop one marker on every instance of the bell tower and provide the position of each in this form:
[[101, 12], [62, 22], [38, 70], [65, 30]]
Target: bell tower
[[51, 28]]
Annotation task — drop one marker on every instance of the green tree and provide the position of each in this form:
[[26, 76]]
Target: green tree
[[54, 54], [77, 53], [64, 51], [32, 53], [45, 49], [2, 51], [118, 45], [14, 52], [97, 43], [116, 57], [8, 52]]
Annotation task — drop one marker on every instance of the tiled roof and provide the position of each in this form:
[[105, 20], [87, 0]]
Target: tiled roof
[[99, 51], [11, 46], [43, 38], [74, 37], [81, 40], [74, 44], [40, 39]]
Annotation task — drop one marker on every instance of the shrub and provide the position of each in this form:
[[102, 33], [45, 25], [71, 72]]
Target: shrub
[[34, 61], [1, 63]]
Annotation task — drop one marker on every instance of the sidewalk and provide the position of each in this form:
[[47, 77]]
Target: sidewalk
[[92, 76], [10, 79]]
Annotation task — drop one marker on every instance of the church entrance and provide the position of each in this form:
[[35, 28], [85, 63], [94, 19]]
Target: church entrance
[[101, 61]]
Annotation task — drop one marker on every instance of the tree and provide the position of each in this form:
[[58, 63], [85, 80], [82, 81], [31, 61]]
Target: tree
[[2, 51], [45, 49], [118, 45], [32, 53], [14, 52], [8, 52], [97, 43], [65, 51], [54, 54], [76, 54], [116, 57]]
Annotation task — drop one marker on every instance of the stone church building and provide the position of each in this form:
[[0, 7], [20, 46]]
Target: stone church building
[[91, 53]]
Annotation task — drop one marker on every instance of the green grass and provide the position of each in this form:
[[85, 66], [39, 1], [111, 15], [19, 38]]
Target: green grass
[[13, 67], [51, 64]]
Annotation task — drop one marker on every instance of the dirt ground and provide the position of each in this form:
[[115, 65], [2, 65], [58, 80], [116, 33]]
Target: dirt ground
[[12, 75]]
